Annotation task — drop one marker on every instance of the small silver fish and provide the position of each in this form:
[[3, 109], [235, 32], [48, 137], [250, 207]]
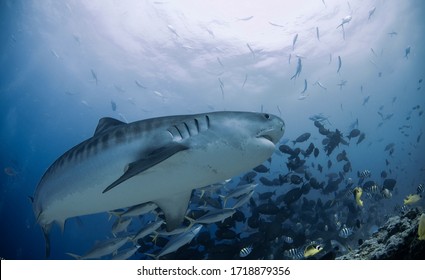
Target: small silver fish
[[275, 24], [120, 225], [299, 68], [339, 64], [221, 82], [214, 216], [371, 12], [222, 90], [320, 85], [173, 30], [219, 61], [179, 240], [94, 75], [211, 189], [239, 191], [294, 41], [210, 32], [246, 18], [125, 253], [243, 199], [139, 84], [246, 78], [138, 210], [150, 228], [345, 20], [102, 248], [179, 230], [251, 50], [305, 86], [54, 53]]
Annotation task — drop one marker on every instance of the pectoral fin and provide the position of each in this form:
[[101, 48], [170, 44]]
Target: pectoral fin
[[147, 162]]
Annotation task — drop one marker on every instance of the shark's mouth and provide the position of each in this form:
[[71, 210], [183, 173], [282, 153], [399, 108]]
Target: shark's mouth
[[272, 134], [268, 137]]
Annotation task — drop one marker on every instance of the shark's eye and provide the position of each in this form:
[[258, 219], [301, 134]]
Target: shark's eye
[[267, 116]]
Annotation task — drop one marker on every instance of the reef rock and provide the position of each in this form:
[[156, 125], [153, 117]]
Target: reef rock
[[397, 239]]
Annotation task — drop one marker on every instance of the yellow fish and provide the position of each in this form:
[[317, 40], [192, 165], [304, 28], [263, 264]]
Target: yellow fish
[[312, 250], [411, 198], [421, 228], [358, 191]]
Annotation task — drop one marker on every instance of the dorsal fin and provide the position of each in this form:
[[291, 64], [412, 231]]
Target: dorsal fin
[[106, 123]]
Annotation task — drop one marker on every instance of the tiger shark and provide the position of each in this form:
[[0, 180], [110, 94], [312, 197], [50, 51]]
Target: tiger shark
[[158, 160]]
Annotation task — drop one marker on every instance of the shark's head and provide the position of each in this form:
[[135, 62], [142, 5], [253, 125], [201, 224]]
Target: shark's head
[[271, 127], [262, 126], [255, 133]]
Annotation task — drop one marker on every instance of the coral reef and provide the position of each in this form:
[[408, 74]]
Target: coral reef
[[397, 239]]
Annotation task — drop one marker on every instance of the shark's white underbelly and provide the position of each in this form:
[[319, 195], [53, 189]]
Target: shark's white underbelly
[[80, 192]]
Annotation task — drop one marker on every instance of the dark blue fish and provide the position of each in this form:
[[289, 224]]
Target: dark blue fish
[[389, 184], [261, 169], [353, 133], [361, 138], [302, 138], [316, 152]]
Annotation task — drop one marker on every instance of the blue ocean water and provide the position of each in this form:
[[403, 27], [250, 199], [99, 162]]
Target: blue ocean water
[[66, 64]]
